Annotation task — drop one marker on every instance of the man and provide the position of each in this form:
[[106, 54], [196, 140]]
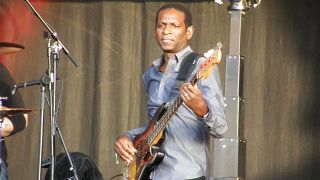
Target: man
[[10, 126], [186, 146]]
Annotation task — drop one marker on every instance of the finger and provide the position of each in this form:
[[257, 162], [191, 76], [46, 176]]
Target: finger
[[124, 152], [185, 85], [194, 90], [189, 88], [127, 145], [187, 96], [133, 150], [188, 92], [182, 95], [125, 156], [185, 89], [196, 86], [128, 150]]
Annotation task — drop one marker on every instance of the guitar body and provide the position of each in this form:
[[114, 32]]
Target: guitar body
[[148, 155]]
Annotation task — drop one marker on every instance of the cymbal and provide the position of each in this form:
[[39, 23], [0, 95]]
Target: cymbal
[[5, 111], [7, 48]]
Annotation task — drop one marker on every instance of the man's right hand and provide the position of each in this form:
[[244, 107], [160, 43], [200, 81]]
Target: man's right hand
[[124, 148]]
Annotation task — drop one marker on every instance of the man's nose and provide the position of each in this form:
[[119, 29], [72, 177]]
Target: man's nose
[[167, 29]]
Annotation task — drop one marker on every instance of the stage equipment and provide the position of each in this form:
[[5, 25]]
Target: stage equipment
[[6, 112], [243, 5], [8, 48], [230, 151], [43, 81], [1, 121], [54, 45], [240, 4], [86, 168]]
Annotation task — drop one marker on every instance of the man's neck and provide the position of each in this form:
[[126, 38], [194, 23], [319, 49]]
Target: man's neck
[[165, 60], [166, 56]]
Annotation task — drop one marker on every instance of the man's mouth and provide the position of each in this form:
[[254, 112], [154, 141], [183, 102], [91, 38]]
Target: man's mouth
[[166, 40]]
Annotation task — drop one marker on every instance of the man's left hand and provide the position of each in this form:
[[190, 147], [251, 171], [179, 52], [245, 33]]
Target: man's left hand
[[193, 98]]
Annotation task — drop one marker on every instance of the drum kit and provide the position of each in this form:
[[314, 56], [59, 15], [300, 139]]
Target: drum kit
[[9, 48]]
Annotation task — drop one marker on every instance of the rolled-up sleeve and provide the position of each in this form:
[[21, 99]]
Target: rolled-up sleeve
[[132, 134], [215, 121]]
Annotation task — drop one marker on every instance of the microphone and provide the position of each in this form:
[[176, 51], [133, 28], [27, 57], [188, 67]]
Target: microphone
[[45, 80]]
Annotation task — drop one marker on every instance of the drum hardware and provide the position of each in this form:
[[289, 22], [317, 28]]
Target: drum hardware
[[7, 112], [9, 48]]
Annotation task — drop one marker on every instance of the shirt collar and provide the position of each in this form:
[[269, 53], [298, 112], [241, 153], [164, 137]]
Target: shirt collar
[[179, 56]]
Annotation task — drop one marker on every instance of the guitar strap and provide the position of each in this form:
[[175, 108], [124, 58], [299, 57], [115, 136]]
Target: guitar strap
[[187, 66]]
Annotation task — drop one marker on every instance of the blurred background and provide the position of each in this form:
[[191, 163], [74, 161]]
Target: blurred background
[[113, 42]]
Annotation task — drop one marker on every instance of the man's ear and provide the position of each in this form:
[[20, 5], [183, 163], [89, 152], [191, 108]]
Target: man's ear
[[190, 31]]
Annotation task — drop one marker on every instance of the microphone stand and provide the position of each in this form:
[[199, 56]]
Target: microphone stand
[[53, 58], [51, 31], [42, 109]]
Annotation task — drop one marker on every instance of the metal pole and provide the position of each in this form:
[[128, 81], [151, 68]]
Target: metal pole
[[53, 101], [230, 151], [42, 110]]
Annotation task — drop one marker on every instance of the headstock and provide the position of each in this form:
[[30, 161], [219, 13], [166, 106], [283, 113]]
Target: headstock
[[213, 57]]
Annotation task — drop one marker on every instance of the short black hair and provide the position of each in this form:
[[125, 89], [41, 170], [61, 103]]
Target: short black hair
[[179, 7]]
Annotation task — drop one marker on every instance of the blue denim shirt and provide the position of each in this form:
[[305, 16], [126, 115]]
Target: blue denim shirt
[[186, 145]]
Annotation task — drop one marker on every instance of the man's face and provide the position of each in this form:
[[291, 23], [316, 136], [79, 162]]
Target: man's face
[[171, 32]]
